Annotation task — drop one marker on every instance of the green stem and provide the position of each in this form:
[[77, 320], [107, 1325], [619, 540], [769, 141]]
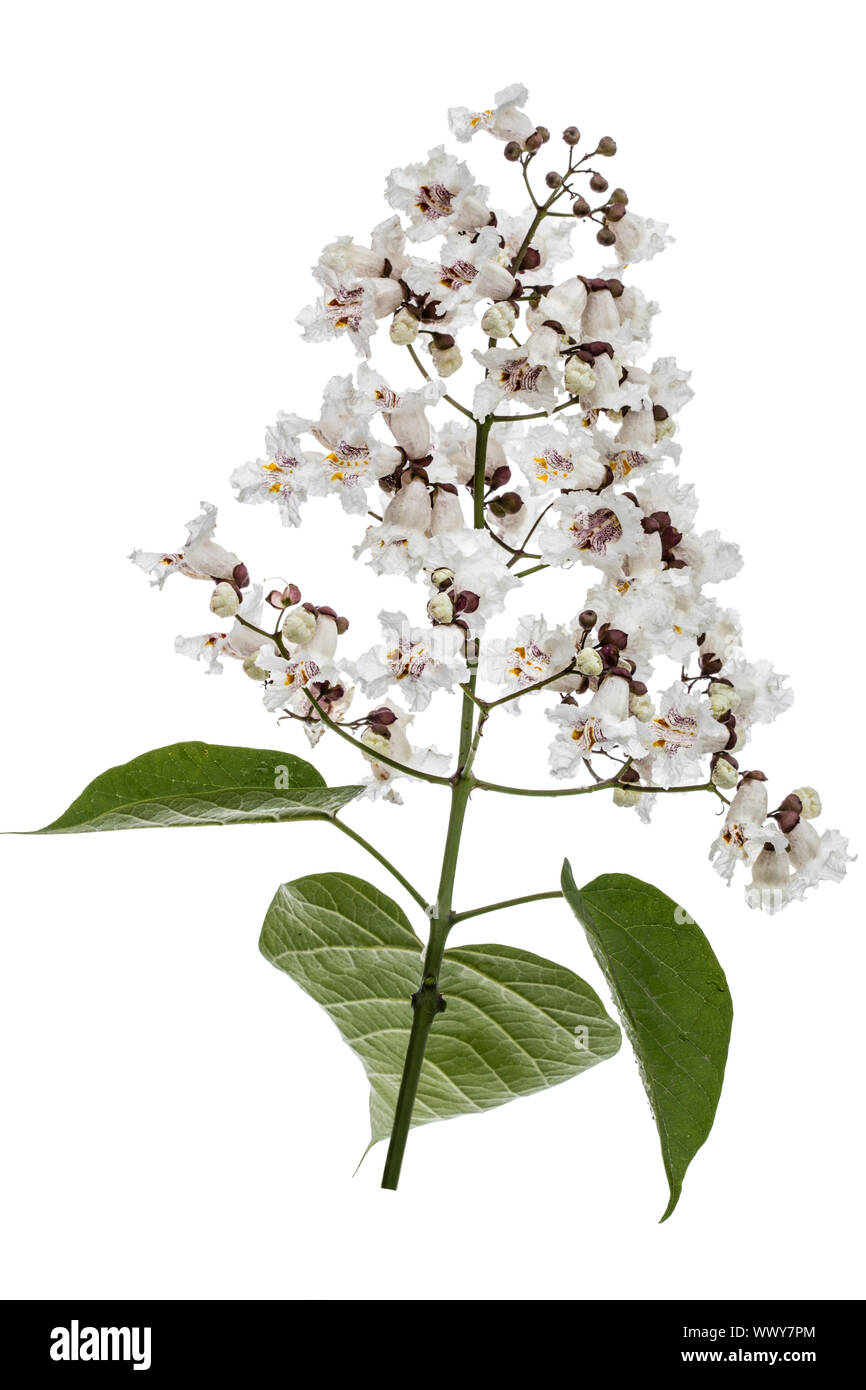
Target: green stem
[[507, 902], [424, 372], [377, 855], [427, 1002], [377, 756]]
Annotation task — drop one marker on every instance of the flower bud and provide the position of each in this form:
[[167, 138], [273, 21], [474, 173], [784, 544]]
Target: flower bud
[[588, 662], [588, 619], [580, 207], [615, 212], [441, 608], [724, 775], [299, 625], [641, 706], [571, 135], [579, 376], [724, 699], [625, 796], [619, 195], [543, 132], [553, 179], [443, 577], [512, 151], [598, 183], [811, 802], [605, 237], [446, 360], [382, 715], [376, 743], [533, 142], [498, 321], [404, 328], [224, 600], [254, 672], [606, 146]]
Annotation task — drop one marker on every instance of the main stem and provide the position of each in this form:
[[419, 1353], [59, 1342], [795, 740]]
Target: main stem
[[427, 1002]]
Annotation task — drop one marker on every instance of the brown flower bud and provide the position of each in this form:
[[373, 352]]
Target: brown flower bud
[[512, 151], [571, 135], [531, 259], [580, 207], [533, 142], [543, 133], [553, 179], [619, 195], [606, 146], [605, 237], [616, 212], [598, 183], [588, 619]]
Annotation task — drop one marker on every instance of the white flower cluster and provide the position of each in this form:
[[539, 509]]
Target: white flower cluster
[[562, 453]]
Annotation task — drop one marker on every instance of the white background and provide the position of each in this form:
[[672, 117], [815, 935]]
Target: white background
[[180, 1120]]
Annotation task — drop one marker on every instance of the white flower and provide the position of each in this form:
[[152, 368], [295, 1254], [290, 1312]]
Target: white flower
[[533, 654], [559, 456], [348, 305], [355, 458], [564, 304], [639, 238], [387, 244], [596, 528], [419, 660], [238, 643], [399, 544], [552, 241], [200, 558], [742, 835], [679, 736], [397, 746], [286, 475], [468, 268], [505, 120], [512, 377], [479, 566], [596, 727], [454, 453], [437, 195], [763, 692]]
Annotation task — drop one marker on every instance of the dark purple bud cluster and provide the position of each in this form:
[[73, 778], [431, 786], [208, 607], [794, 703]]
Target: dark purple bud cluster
[[323, 611], [659, 524]]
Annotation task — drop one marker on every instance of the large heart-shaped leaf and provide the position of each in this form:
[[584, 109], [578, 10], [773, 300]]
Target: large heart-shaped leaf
[[514, 1023], [674, 1002], [201, 784]]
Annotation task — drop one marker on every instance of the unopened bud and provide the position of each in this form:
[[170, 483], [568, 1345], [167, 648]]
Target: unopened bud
[[619, 195], [598, 183], [588, 619], [724, 699], [579, 377], [724, 775], [254, 672], [376, 743], [553, 180], [440, 608], [299, 625], [580, 207], [543, 132], [447, 360], [224, 600], [498, 321], [606, 146], [811, 802], [443, 577], [641, 706], [571, 135], [625, 796], [615, 212], [588, 662], [605, 237], [512, 151], [533, 142], [382, 715], [404, 328]]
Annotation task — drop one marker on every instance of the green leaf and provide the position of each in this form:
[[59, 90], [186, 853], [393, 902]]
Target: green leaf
[[674, 1002], [514, 1022], [201, 784]]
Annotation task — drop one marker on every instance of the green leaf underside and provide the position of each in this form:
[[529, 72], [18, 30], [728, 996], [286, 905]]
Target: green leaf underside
[[674, 1002], [201, 784], [509, 1028]]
